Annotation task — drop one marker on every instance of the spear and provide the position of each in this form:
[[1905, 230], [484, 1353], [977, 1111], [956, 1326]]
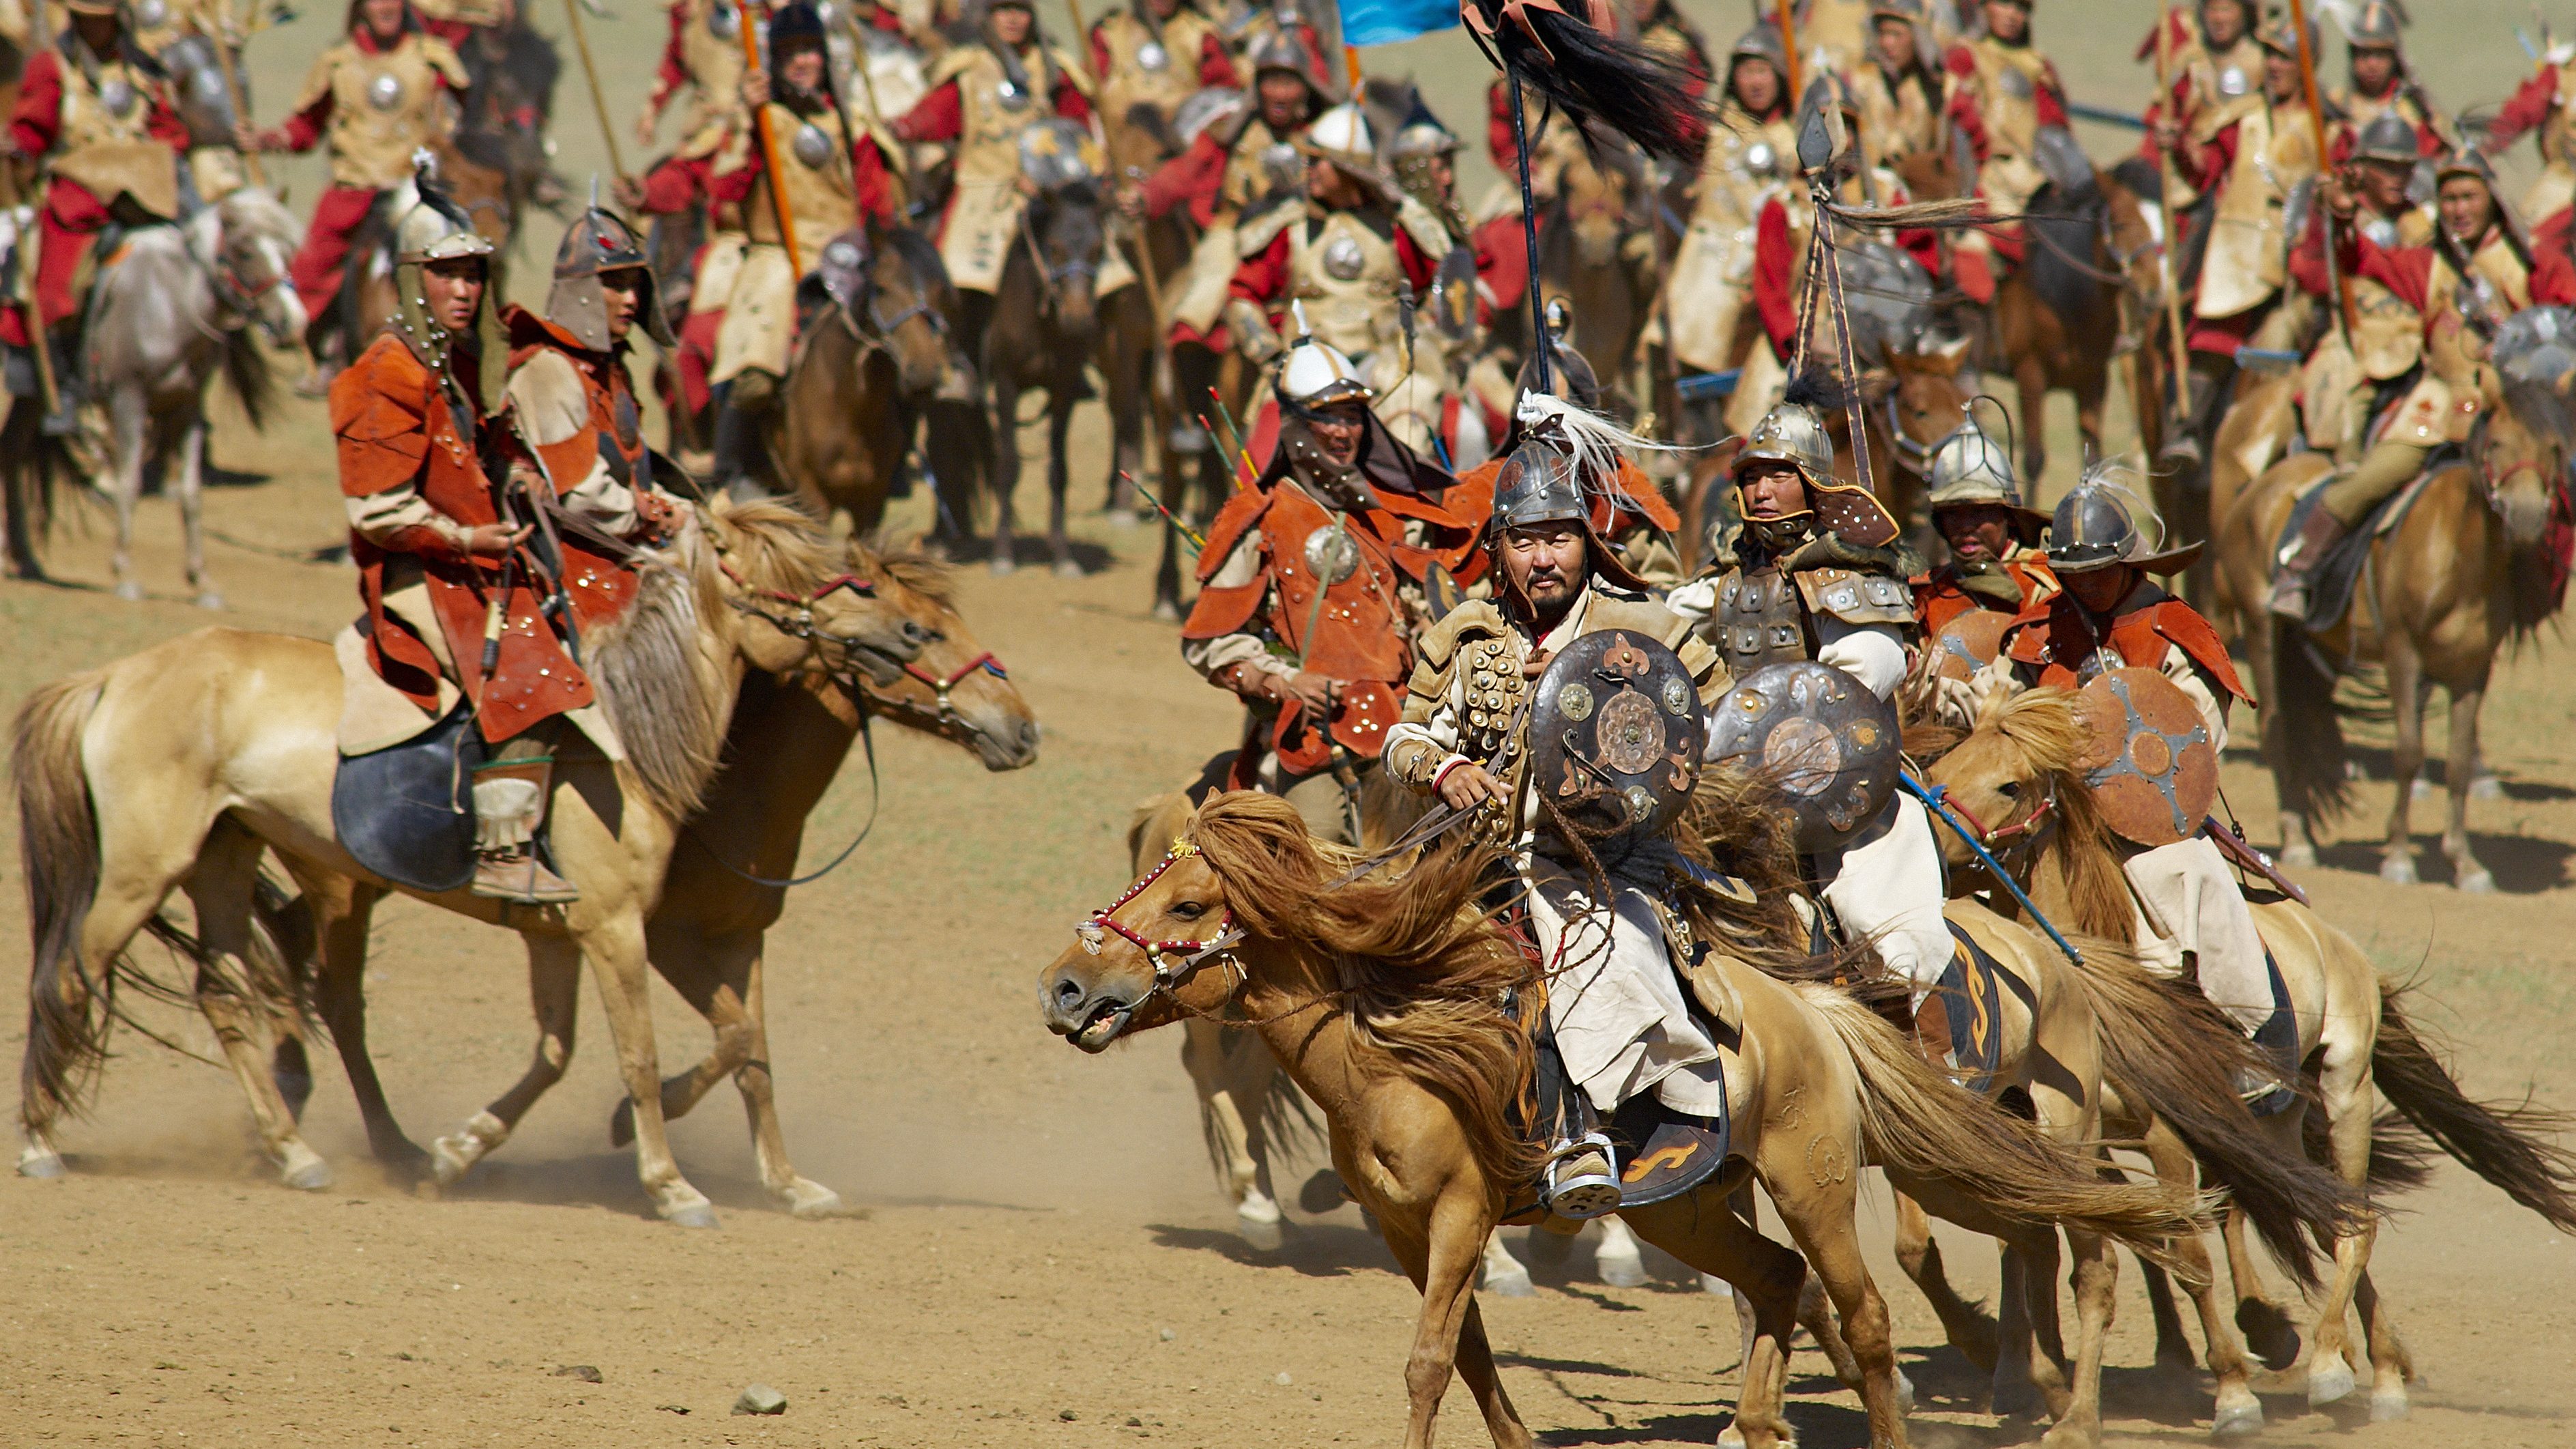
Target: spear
[[1785, 16], [598, 100], [2317, 122], [2165, 179], [769, 146]]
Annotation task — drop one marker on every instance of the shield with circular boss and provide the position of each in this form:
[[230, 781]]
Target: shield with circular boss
[[1970, 642], [1615, 733], [2148, 756], [1824, 740]]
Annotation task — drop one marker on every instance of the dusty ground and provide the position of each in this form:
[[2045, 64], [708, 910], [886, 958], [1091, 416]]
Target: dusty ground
[[1038, 1254]]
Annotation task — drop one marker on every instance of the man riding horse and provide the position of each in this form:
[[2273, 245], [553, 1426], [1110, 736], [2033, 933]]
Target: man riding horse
[[1312, 585], [1615, 1006], [1157, 53], [1819, 575], [830, 177], [2443, 299], [2007, 102], [701, 59], [96, 112], [1900, 93], [462, 599], [1995, 562], [1750, 160], [371, 100], [2381, 83]]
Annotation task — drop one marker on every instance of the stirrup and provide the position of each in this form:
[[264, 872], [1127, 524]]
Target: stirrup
[[1581, 1179]]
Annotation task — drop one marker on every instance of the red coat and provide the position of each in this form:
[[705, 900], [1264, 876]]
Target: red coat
[[1939, 597], [1263, 276], [2529, 107], [2052, 639], [2050, 100], [868, 182], [38, 121]]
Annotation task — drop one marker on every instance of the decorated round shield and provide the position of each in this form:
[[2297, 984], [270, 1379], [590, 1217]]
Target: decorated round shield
[[1615, 733], [1826, 741], [1970, 642], [1057, 153], [2148, 756]]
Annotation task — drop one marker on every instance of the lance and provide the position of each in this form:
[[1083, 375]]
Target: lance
[[598, 100], [2317, 122], [1784, 14], [751, 28], [2165, 272]]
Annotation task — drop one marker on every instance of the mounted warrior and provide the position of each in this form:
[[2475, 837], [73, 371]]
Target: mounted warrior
[[830, 177], [371, 100], [1900, 93], [1996, 566], [1620, 1024], [1157, 53], [2007, 103], [1750, 162], [1312, 586], [465, 598], [2381, 83], [702, 60], [95, 111], [2109, 616], [1818, 574], [2474, 272]]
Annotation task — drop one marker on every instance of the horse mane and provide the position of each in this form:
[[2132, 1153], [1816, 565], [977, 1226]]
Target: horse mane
[[910, 564], [2043, 727], [667, 700], [1738, 822], [1426, 983]]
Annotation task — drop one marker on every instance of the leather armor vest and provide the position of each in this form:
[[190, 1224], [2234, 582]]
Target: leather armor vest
[[1173, 75], [384, 106], [714, 61], [2249, 253], [1759, 620], [1348, 276], [821, 198]]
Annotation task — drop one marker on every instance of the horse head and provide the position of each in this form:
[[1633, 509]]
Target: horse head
[[780, 573], [1163, 949], [250, 252], [1063, 232], [907, 303], [2525, 444], [2001, 780], [952, 686], [1930, 396]]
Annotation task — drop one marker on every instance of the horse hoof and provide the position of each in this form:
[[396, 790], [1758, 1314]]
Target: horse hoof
[[1259, 1235], [2298, 857], [2387, 1405], [1166, 612], [1514, 1284], [2237, 1420], [2397, 870], [1904, 1393], [130, 591], [1621, 1270], [2477, 882], [312, 1175], [1066, 568], [700, 1214], [2015, 1399], [621, 1123], [811, 1201], [2329, 1383], [41, 1163], [2486, 787], [210, 600], [1003, 563]]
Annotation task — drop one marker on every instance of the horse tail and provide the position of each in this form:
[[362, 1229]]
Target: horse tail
[[68, 1005], [2062, 244], [2508, 1145], [1916, 1123], [2167, 1050], [2310, 746]]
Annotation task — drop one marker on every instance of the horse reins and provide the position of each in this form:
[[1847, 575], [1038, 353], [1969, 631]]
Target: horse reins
[[1937, 799], [1169, 974]]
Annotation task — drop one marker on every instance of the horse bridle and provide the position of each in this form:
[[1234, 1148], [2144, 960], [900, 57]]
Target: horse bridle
[[800, 624], [2493, 482], [1939, 798], [1174, 961], [941, 685], [1049, 276]]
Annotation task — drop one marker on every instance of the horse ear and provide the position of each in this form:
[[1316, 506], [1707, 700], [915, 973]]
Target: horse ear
[[1951, 353]]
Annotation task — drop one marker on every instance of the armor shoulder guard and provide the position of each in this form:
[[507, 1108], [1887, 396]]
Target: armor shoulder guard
[[1261, 225], [1232, 521], [952, 63], [1856, 598], [1643, 616], [1472, 618], [2182, 626], [1429, 232]]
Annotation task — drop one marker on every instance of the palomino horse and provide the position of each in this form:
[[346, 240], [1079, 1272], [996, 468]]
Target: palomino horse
[[179, 765], [1400, 1010], [864, 371], [2471, 567], [2016, 776], [726, 886], [175, 306]]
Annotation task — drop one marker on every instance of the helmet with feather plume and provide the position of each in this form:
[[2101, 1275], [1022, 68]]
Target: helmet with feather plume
[[1566, 463]]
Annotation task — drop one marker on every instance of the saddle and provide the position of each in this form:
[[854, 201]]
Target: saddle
[[406, 811], [2338, 575]]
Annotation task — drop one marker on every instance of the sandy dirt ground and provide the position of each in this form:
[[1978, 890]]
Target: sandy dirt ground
[[1036, 1253]]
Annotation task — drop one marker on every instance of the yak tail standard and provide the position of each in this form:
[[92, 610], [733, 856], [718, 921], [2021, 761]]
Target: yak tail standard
[[1917, 1123], [2508, 1145], [2168, 1051]]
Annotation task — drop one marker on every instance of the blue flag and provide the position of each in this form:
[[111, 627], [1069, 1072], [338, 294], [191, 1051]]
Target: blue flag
[[1384, 22]]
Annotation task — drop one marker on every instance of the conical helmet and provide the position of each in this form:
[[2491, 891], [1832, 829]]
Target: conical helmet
[[1791, 433], [1315, 374], [434, 228], [2389, 137], [599, 240], [2093, 528]]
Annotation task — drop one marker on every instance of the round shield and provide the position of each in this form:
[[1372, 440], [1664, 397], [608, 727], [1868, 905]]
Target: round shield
[[117, 96], [2148, 756], [1152, 56], [1821, 736], [385, 91], [1343, 259], [1970, 642], [1616, 732], [812, 147], [1331, 555]]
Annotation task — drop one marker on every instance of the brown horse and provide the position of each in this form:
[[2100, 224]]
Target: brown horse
[[1404, 1015], [1597, 253], [726, 885], [863, 372], [2018, 771], [178, 766], [2466, 571]]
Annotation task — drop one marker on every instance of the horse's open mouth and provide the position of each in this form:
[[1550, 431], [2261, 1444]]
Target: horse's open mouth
[[1107, 1019]]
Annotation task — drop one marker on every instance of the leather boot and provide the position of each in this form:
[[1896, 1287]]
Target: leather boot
[[509, 808], [2297, 566], [1932, 1033], [1580, 1181]]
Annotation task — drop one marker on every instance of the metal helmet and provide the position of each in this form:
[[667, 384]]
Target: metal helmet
[[2093, 529], [599, 240], [2389, 137], [1970, 467], [1280, 49], [1909, 11], [1762, 42], [1342, 136], [1315, 374], [1420, 139], [434, 229], [1790, 433], [2280, 37], [2375, 26], [1538, 484], [2464, 160]]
